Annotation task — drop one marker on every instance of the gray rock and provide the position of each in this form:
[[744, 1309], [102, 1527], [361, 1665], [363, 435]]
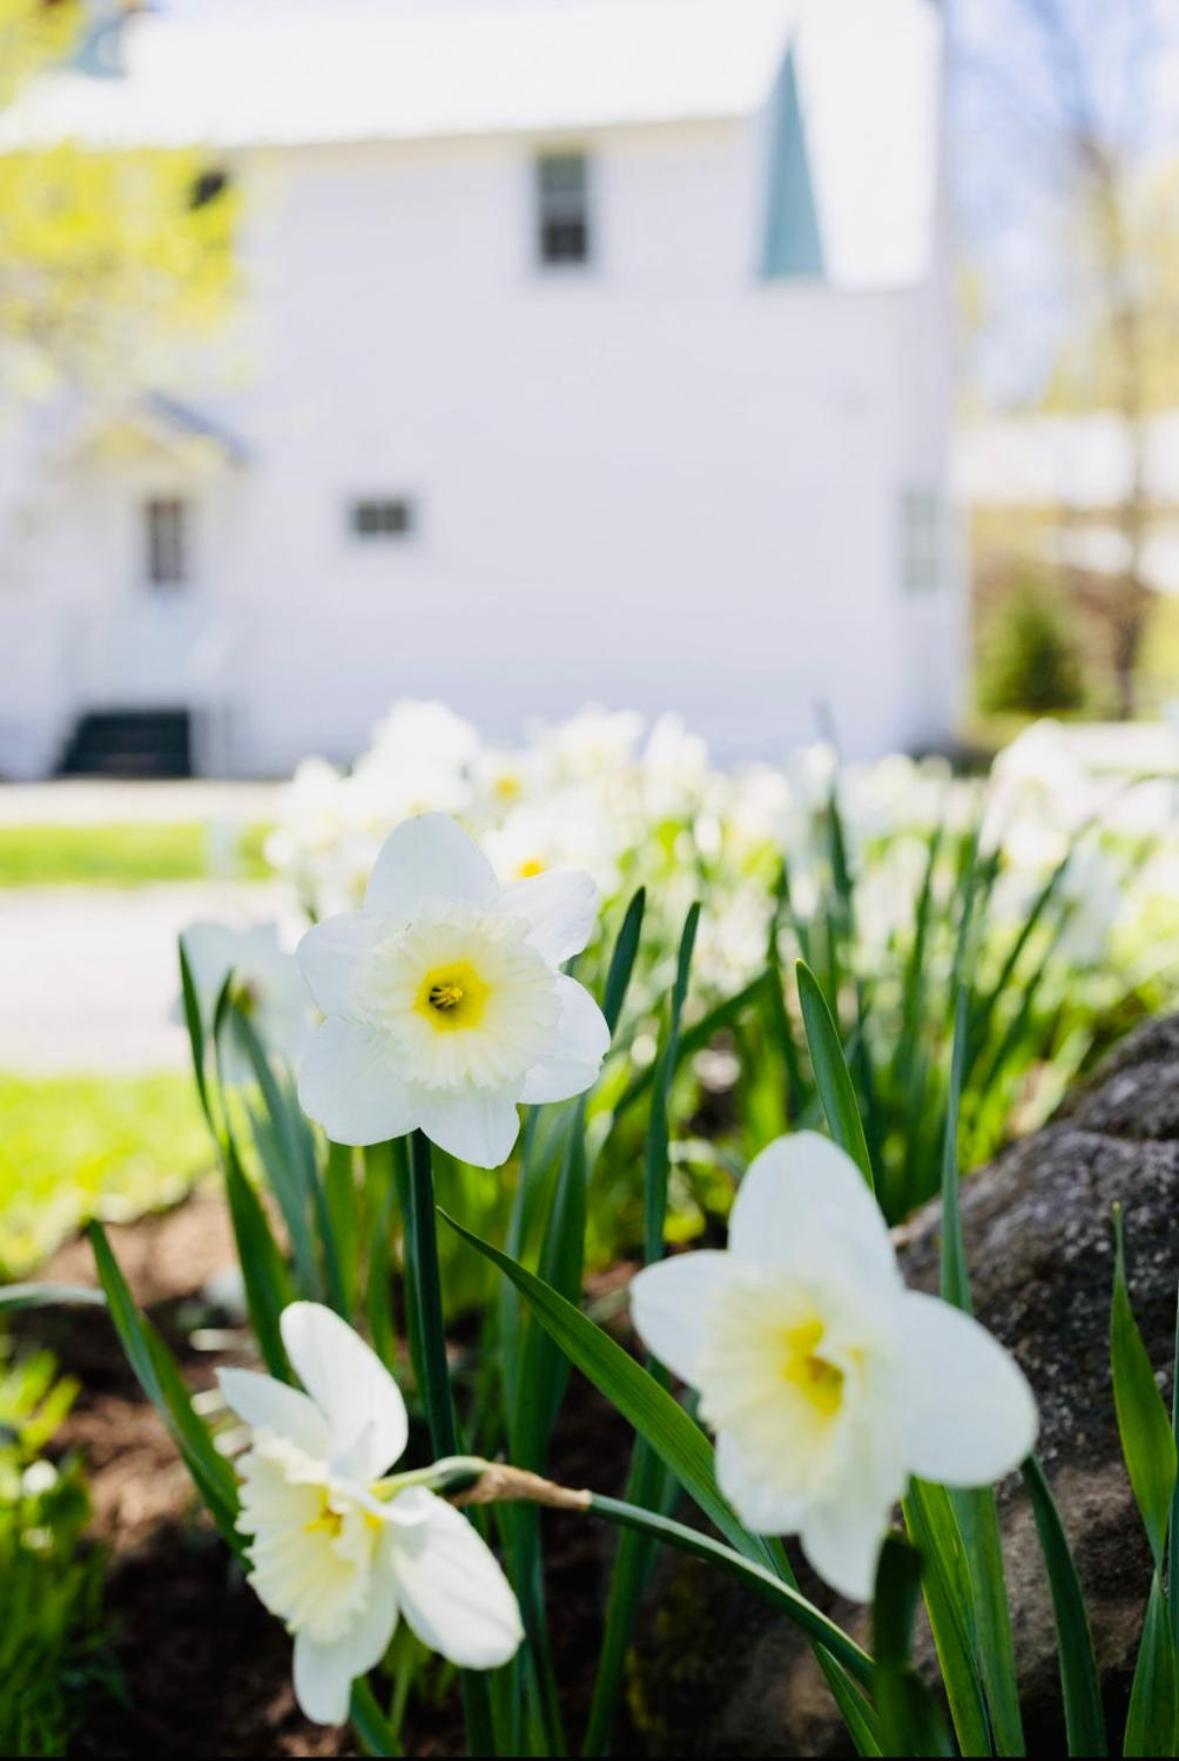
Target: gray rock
[[715, 1674]]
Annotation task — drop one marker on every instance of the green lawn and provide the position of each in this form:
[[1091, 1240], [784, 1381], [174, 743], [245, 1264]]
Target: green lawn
[[74, 1146], [126, 854]]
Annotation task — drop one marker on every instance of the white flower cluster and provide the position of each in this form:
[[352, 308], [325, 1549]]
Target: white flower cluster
[[631, 805]]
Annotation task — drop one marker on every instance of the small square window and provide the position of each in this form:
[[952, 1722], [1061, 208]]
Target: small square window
[[922, 540], [563, 218], [167, 541], [382, 517]]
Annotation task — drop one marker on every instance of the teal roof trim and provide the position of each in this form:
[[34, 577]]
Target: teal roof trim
[[793, 245]]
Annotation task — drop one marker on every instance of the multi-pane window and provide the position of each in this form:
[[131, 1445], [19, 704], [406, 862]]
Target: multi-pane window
[[390, 516], [167, 541], [563, 209], [922, 540]]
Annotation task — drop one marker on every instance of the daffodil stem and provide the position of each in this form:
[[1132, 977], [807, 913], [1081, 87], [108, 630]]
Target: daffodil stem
[[427, 1289], [422, 1254]]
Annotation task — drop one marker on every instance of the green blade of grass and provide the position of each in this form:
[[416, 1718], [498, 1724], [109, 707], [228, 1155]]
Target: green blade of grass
[[945, 1582], [678, 1442], [1154, 1697], [155, 1370], [1148, 1441], [832, 1077], [1084, 1716], [372, 1728], [422, 1250], [975, 1509], [267, 1286], [789, 1602], [647, 1478], [910, 1719], [657, 1162], [43, 1296]]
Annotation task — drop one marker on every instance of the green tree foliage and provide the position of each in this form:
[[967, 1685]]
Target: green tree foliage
[[1031, 662], [105, 257]]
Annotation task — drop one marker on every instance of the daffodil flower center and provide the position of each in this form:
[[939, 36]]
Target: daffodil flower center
[[328, 1522], [807, 1370], [452, 997]]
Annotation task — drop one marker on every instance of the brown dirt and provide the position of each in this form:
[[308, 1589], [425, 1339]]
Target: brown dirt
[[206, 1669]]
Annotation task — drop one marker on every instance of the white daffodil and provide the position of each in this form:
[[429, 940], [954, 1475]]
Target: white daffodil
[[826, 1381], [267, 985], [336, 1551], [444, 1000]]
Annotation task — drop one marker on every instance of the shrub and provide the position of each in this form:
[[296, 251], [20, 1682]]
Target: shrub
[[1031, 663]]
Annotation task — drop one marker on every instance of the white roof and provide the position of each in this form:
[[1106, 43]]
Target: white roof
[[241, 72], [238, 73]]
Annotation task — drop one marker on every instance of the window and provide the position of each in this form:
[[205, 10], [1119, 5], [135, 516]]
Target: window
[[167, 541], [922, 540], [562, 191], [377, 517]]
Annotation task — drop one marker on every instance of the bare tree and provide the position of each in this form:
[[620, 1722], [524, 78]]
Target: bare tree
[[1072, 89]]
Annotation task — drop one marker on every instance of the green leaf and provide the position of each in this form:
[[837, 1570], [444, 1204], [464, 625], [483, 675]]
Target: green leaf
[[287, 1149], [700, 1034], [1148, 1441], [657, 1162], [43, 1296], [1080, 1682], [196, 1032], [370, 1724], [422, 1252], [816, 1625], [975, 1510], [1173, 1563], [264, 1274], [651, 1487], [910, 1720], [978, 1519], [648, 1481], [622, 961], [832, 1076], [945, 1582], [156, 1372], [1154, 1699], [955, 1275], [662, 1422]]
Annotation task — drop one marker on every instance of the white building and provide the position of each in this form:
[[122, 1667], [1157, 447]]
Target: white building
[[592, 350]]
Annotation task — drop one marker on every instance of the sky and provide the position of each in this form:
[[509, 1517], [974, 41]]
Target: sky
[[1021, 72]]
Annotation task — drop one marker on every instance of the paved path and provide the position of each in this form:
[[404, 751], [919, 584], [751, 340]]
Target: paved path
[[88, 976]]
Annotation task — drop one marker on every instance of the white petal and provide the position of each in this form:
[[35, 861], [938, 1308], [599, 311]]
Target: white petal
[[268, 1405], [348, 1081], [350, 1385], [842, 1541], [478, 1125], [452, 1591], [670, 1303], [760, 1505], [581, 1041], [428, 858], [324, 1673], [334, 956], [969, 1416], [412, 1506], [560, 907], [802, 1194]]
